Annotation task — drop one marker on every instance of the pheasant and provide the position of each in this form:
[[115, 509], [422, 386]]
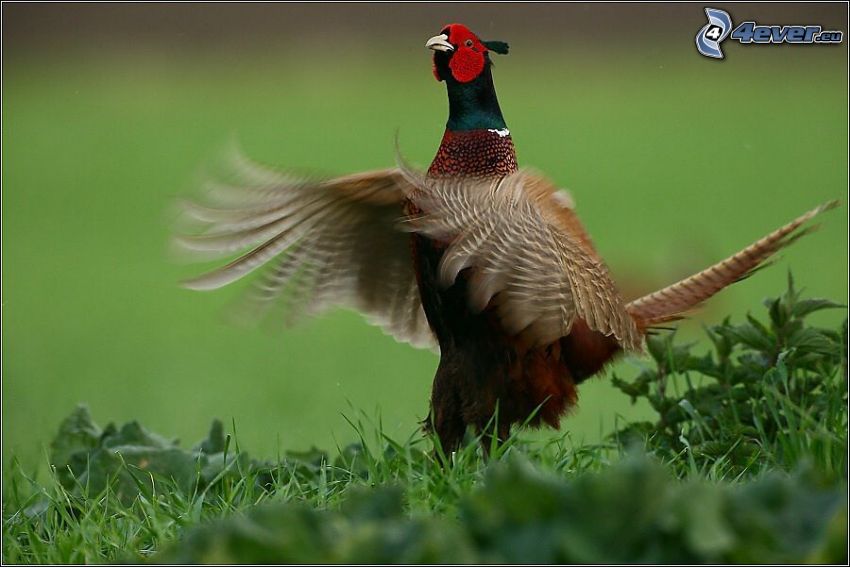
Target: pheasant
[[476, 258]]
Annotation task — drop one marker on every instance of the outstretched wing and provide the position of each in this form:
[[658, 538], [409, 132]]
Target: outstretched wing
[[530, 258], [321, 243]]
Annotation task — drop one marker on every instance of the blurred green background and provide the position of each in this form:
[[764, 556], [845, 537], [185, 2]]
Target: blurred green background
[[675, 161]]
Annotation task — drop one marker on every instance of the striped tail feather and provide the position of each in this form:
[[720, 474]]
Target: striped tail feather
[[674, 301]]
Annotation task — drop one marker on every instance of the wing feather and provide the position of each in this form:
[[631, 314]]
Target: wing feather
[[320, 243], [530, 258]]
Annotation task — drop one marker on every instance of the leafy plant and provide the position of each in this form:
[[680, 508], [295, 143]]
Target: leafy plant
[[632, 512], [768, 395]]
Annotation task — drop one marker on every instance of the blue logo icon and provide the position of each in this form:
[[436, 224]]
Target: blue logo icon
[[714, 32], [720, 25]]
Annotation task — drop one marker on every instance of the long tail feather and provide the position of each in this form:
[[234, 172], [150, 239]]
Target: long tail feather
[[672, 302]]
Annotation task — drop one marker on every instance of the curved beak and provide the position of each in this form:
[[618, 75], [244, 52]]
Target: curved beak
[[440, 43]]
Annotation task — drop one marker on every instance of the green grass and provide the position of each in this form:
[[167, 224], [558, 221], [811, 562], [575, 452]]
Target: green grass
[[674, 161], [745, 461], [402, 507]]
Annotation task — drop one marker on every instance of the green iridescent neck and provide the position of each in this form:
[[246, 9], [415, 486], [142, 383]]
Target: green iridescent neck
[[473, 105]]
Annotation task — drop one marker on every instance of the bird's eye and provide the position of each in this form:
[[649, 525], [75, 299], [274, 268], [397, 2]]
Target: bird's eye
[[468, 43]]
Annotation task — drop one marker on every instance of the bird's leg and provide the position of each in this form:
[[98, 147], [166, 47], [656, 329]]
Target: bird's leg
[[493, 434], [445, 418], [449, 433]]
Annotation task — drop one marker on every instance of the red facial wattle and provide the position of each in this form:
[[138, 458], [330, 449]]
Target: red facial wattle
[[466, 64]]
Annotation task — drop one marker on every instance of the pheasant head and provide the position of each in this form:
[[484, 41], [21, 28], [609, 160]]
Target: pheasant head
[[462, 60], [460, 55]]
